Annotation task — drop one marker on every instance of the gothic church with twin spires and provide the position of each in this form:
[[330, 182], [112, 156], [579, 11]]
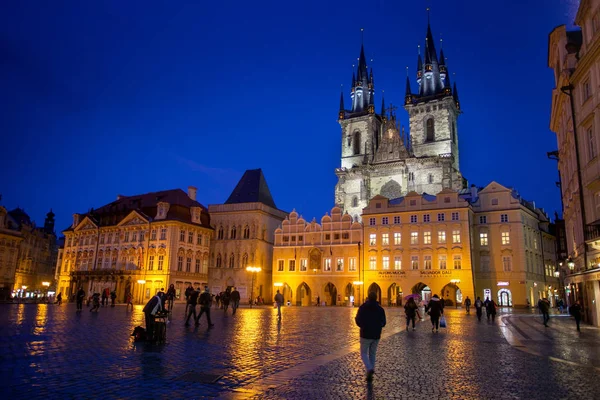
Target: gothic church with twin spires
[[379, 158]]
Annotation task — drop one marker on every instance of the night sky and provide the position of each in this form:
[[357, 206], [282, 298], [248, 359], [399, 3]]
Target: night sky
[[127, 97]]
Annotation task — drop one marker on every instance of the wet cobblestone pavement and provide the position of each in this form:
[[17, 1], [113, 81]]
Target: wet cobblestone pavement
[[51, 351]]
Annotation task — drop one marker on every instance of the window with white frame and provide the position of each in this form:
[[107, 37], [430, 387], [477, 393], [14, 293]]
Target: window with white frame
[[182, 235], [280, 265], [396, 219], [441, 217], [199, 239], [426, 218], [291, 265], [373, 263], [591, 144], [352, 264], [442, 262], [339, 265], [385, 239], [163, 234], [483, 219], [507, 263], [150, 263], [457, 262], [397, 238], [372, 239], [455, 216], [126, 240], [503, 217], [197, 267], [188, 264], [180, 263], [414, 262], [161, 260], [303, 264], [414, 238], [485, 264], [191, 237], [413, 219], [385, 262], [327, 265], [142, 234], [384, 220], [427, 237], [455, 236], [372, 221], [397, 263], [483, 238], [441, 237], [426, 262], [102, 239], [505, 238]]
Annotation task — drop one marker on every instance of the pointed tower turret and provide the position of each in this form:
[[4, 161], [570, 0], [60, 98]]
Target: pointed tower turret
[[408, 96], [362, 86], [455, 95], [382, 106], [442, 65], [419, 66], [342, 110]]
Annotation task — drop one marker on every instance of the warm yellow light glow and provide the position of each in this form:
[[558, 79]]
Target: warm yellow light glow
[[141, 281], [357, 283], [253, 269], [454, 280], [278, 284], [24, 287], [46, 284]]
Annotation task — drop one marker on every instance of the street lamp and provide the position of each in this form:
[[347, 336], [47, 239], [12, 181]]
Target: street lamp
[[253, 270], [571, 264]]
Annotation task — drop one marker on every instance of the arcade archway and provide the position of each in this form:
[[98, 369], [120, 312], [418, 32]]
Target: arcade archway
[[422, 290], [375, 288], [452, 294], [394, 294], [330, 294], [349, 295], [504, 298], [303, 295]]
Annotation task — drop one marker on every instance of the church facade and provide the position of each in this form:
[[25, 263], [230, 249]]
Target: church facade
[[379, 158]]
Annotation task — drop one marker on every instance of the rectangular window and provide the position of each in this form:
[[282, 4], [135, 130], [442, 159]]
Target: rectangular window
[[483, 238], [414, 262], [69, 242], [197, 267], [385, 239], [188, 265], [153, 234], [397, 238], [102, 239], [505, 238], [339, 265], [386, 262], [454, 216], [191, 237], [442, 262], [345, 235], [352, 264], [587, 90], [494, 202], [163, 234], [199, 239], [303, 264], [151, 263], [397, 219], [280, 265], [414, 238], [503, 217], [161, 260], [397, 263], [180, 263], [134, 237], [142, 235], [327, 266], [507, 264], [182, 236], [336, 236], [441, 237], [426, 218], [372, 221], [413, 219], [384, 221], [126, 237], [457, 262], [441, 217], [287, 238], [485, 264], [291, 265], [535, 243], [591, 144], [106, 263], [372, 239], [373, 263], [483, 219], [455, 236], [427, 237], [327, 236], [427, 262]]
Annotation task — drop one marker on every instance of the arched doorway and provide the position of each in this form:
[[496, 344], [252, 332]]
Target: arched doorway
[[422, 290], [504, 298], [303, 295], [287, 293], [349, 295], [375, 288], [452, 294], [330, 294], [394, 295]]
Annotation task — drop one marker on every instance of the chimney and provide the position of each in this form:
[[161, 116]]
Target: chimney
[[76, 219], [192, 190]]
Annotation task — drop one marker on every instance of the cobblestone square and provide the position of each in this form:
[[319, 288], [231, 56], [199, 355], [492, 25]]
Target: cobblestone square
[[53, 351]]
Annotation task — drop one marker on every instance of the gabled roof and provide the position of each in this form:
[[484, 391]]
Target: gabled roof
[[252, 188]]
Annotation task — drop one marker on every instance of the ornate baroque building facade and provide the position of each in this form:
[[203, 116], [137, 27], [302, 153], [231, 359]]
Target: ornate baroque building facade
[[379, 158], [138, 244]]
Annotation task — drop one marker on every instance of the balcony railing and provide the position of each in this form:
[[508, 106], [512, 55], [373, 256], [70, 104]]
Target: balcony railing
[[592, 233]]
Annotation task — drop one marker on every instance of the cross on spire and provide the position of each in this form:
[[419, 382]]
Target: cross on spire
[[391, 109]]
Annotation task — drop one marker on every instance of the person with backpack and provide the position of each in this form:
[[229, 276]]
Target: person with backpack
[[279, 303], [205, 301], [410, 309], [154, 305], [435, 309], [370, 318], [479, 308], [191, 304], [468, 305], [544, 307], [490, 309]]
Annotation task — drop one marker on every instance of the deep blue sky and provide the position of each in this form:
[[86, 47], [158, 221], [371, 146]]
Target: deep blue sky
[[101, 98]]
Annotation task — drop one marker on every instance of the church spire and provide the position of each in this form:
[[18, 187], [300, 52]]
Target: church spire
[[341, 112], [363, 87], [408, 95], [455, 95]]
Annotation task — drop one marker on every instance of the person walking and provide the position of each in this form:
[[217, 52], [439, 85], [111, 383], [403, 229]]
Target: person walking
[[225, 299], [318, 301], [191, 305], [205, 303], [113, 297], [279, 303], [235, 300], [154, 305], [490, 309], [435, 309], [410, 309], [468, 305], [576, 311], [105, 294], [80, 296], [479, 308], [370, 318], [170, 296], [59, 299], [544, 307], [95, 302], [129, 300]]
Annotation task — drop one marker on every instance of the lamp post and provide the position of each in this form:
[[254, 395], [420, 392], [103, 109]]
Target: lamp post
[[253, 270], [141, 282]]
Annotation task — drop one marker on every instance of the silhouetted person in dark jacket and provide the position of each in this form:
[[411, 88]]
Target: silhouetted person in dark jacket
[[435, 309], [80, 297], [576, 311], [235, 300], [371, 320], [191, 304]]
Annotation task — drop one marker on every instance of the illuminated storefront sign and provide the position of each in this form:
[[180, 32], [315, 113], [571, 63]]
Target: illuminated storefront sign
[[503, 283]]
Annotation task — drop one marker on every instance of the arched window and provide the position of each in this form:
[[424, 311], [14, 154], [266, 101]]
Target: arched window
[[232, 261], [454, 132], [430, 130], [233, 233], [219, 260], [245, 260], [246, 232], [220, 233], [355, 201], [356, 147]]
